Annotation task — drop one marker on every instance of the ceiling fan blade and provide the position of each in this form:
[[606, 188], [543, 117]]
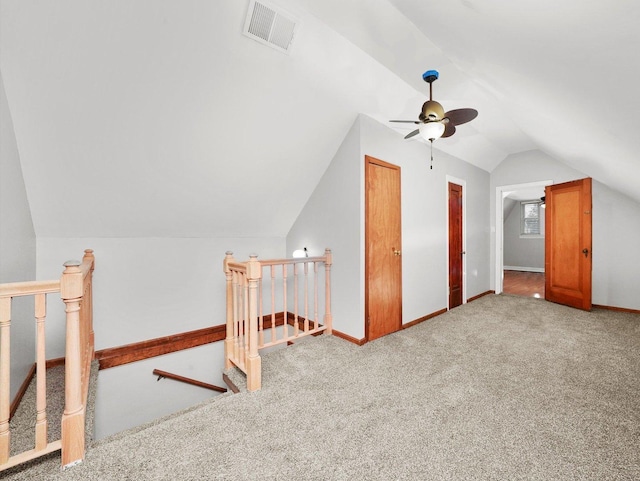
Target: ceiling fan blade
[[406, 121], [449, 130], [409, 135], [461, 116]]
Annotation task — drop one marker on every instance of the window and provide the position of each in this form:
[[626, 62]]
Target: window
[[531, 219]]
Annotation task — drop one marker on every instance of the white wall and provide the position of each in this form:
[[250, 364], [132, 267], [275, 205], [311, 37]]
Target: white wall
[[154, 287], [616, 226], [521, 251], [17, 246], [331, 218], [616, 258], [336, 212]]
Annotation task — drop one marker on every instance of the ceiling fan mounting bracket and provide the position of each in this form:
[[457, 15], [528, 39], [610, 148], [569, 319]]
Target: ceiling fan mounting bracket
[[430, 76]]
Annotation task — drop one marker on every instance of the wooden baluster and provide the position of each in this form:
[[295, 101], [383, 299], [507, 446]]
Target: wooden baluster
[[237, 303], [274, 334], [306, 296], [5, 381], [295, 301], [254, 363], [327, 290], [315, 295], [285, 329], [260, 318], [41, 370], [244, 344], [89, 257], [71, 287], [229, 340]]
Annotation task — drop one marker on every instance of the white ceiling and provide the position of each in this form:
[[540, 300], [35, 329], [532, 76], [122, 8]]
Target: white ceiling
[[164, 120]]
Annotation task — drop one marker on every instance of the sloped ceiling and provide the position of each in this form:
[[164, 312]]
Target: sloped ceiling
[[159, 118]]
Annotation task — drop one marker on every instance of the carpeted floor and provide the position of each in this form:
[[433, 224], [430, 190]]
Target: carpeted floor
[[501, 388]]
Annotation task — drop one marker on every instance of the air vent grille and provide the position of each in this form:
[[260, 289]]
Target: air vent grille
[[270, 26]]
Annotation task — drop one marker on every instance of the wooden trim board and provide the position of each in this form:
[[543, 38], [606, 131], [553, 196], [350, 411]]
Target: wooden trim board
[[424, 318], [117, 356], [617, 309], [475, 298], [21, 392]]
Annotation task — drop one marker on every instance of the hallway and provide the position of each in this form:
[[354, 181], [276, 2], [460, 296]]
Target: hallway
[[527, 284]]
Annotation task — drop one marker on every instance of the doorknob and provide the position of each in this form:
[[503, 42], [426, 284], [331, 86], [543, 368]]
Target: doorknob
[[396, 252], [585, 251]]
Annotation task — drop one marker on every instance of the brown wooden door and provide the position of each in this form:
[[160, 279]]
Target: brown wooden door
[[568, 244], [383, 267], [455, 245]]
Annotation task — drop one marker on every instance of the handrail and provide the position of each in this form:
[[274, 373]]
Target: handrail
[[29, 288], [246, 319], [187, 380], [75, 287]]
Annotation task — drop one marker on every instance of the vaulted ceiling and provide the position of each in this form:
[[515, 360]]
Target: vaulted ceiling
[[160, 118]]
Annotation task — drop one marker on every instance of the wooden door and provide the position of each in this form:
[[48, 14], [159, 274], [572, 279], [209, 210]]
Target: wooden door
[[568, 244], [383, 266], [455, 245]]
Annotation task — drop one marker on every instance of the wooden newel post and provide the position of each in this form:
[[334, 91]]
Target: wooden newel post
[[73, 443], [328, 318], [253, 361], [229, 340]]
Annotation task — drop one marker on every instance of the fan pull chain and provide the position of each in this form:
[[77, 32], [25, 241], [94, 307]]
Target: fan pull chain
[[431, 166]]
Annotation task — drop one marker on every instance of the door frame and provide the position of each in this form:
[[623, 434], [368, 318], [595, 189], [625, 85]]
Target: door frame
[[501, 192], [463, 184]]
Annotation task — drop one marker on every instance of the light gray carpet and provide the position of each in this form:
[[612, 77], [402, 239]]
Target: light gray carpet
[[501, 388], [24, 420]]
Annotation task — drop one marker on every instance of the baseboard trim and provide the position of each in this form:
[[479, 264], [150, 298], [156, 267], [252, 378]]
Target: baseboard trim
[[27, 380], [59, 361], [486, 293], [347, 337], [232, 387], [523, 269], [21, 392], [117, 356], [617, 309], [139, 351], [423, 318]]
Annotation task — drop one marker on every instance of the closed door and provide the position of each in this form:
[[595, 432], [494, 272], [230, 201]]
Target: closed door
[[383, 267], [455, 245], [568, 244]]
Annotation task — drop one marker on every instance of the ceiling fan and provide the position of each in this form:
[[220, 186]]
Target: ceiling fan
[[433, 122]]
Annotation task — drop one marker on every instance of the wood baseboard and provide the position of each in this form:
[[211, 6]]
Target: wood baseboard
[[347, 337], [59, 361], [617, 309], [232, 387], [475, 298], [138, 351], [117, 356], [423, 318], [21, 392]]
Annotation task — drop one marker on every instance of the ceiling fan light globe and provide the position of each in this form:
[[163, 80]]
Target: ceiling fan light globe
[[431, 130]]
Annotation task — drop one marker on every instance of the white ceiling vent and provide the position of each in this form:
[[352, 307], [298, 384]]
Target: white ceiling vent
[[270, 25]]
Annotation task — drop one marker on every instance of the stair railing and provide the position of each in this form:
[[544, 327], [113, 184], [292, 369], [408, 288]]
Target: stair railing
[[75, 288], [288, 318]]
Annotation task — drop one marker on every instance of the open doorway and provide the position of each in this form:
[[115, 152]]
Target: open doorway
[[520, 243]]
